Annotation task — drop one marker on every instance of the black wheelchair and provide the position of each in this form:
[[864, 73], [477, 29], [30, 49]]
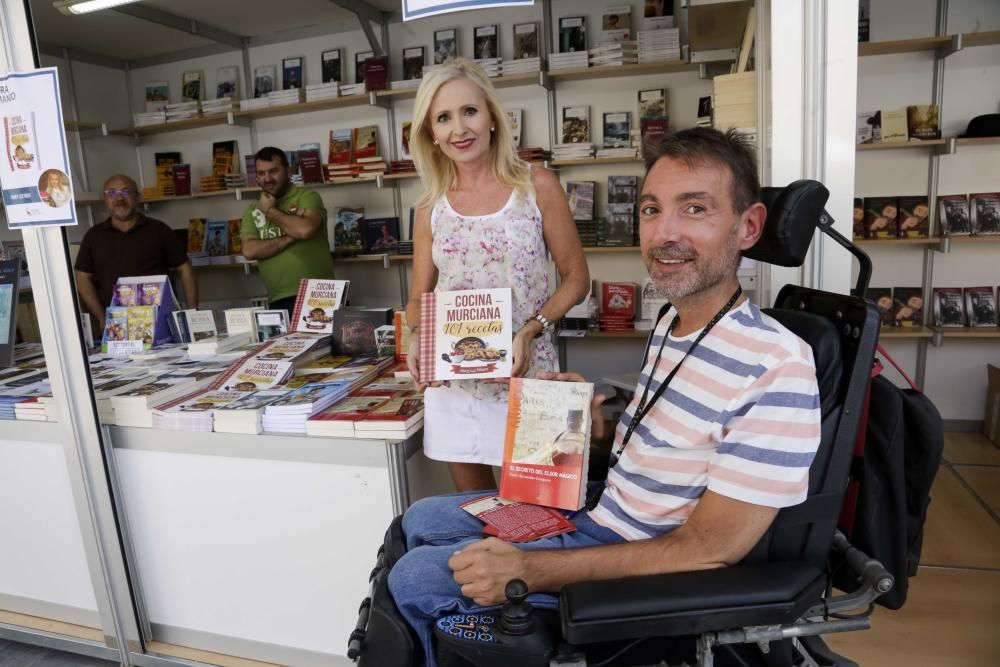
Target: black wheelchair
[[772, 608]]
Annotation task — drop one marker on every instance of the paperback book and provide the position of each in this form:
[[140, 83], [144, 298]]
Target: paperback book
[[908, 304], [315, 302], [949, 310], [617, 130], [882, 298], [525, 40], [985, 211], [413, 63], [572, 34], [576, 125], [953, 215], [445, 45], [922, 122], [331, 66], [882, 217], [354, 330], [581, 199], [547, 443], [381, 235], [653, 103], [466, 335], [914, 221], [486, 42], [981, 306], [291, 73]]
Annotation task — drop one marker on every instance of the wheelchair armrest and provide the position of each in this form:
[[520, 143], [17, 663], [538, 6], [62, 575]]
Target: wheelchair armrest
[[688, 603]]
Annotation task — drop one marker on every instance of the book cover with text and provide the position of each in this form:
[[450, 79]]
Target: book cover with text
[[466, 334], [315, 303]]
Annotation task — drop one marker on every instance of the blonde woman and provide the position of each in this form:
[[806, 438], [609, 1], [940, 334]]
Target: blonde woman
[[486, 219]]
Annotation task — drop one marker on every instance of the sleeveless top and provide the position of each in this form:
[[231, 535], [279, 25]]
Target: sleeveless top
[[502, 249]]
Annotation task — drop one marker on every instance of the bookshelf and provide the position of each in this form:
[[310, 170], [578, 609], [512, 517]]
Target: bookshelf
[[187, 124], [303, 107], [902, 144], [932, 240], [904, 333], [528, 79], [971, 333], [595, 161], [903, 46], [984, 38], [590, 73], [977, 141]]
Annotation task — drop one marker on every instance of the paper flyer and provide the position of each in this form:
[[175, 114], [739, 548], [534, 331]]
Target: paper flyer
[[34, 169]]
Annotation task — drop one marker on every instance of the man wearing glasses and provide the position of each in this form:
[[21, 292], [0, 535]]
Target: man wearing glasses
[[128, 244]]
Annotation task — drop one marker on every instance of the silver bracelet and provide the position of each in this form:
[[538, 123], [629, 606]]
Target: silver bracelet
[[544, 321]]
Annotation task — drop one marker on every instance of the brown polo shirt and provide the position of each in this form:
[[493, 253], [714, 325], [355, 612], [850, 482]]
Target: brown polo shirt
[[149, 248]]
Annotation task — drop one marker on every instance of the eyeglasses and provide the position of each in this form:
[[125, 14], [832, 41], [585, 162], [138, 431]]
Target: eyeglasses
[[111, 193]]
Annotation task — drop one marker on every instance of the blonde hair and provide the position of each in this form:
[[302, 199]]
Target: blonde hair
[[437, 171]]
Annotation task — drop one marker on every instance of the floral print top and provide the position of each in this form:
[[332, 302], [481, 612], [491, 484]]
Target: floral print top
[[502, 249]]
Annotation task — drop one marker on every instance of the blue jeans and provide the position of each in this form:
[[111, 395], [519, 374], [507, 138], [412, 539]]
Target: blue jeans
[[421, 582]]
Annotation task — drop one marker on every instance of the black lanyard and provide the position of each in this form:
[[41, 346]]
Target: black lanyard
[[644, 407]]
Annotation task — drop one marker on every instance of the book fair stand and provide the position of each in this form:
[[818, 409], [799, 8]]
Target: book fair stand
[[207, 485]]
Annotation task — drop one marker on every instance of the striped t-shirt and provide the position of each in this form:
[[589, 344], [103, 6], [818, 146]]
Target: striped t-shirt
[[741, 418]]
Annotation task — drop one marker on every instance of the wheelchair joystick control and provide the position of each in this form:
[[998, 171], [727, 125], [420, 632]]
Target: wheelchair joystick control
[[517, 615]]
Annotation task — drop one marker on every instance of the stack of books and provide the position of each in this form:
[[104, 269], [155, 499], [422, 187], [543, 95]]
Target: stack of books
[[614, 53], [135, 407], [402, 167], [244, 415], [580, 151], [591, 232], [657, 45], [149, 118], [289, 413], [111, 384], [734, 101], [182, 111], [209, 347], [630, 151], [534, 154], [490, 65], [406, 247], [569, 60], [193, 412], [233, 181], [213, 183], [254, 103], [621, 228], [322, 91], [352, 89], [371, 413], [521, 66], [405, 84], [369, 166], [218, 105], [280, 98]]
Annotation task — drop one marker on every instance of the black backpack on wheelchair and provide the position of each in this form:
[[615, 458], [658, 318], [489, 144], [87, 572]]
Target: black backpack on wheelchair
[[770, 609]]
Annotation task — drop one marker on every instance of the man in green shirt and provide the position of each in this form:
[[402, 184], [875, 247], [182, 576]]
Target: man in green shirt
[[285, 231]]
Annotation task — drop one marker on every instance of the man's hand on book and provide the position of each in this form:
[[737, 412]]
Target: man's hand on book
[[599, 431], [483, 569]]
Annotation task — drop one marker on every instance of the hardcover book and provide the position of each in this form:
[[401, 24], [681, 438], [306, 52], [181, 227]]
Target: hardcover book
[[617, 128], [340, 146], [486, 42], [572, 34], [310, 166], [525, 40], [291, 73], [985, 210], [622, 189], [949, 308], [953, 215], [365, 142], [216, 233], [981, 306], [882, 298], [909, 306], [576, 125], [620, 225], [354, 330], [196, 236], [653, 130], [315, 303], [914, 222], [413, 63], [618, 299], [922, 122], [547, 443], [381, 235], [181, 175], [581, 199], [331, 66], [653, 103], [466, 334], [882, 217], [858, 231], [376, 73], [445, 45]]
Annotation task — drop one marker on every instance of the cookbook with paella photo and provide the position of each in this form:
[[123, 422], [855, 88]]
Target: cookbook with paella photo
[[466, 334], [315, 303]]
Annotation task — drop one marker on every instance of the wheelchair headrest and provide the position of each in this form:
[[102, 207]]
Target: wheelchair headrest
[[792, 215]]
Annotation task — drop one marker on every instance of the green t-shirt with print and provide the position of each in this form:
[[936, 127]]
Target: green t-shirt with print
[[303, 259]]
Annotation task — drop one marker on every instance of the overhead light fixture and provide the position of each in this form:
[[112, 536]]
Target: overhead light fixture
[[87, 6]]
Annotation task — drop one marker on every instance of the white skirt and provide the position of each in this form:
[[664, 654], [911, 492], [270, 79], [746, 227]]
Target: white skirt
[[462, 428]]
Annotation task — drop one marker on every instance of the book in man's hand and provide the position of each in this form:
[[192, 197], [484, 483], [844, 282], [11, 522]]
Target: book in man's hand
[[547, 444]]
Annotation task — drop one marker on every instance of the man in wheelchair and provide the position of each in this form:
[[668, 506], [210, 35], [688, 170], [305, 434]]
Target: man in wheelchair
[[717, 523]]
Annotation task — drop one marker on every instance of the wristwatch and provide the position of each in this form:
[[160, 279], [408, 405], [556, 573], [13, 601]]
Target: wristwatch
[[544, 321]]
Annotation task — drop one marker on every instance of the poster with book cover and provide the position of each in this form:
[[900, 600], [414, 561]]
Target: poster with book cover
[[576, 125], [227, 82], [572, 34], [35, 173], [981, 306], [291, 73], [466, 334], [331, 66], [525, 40], [617, 127], [445, 44], [157, 95], [953, 215], [486, 42], [413, 63], [984, 208], [315, 302], [949, 307], [10, 276], [547, 443], [264, 78]]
